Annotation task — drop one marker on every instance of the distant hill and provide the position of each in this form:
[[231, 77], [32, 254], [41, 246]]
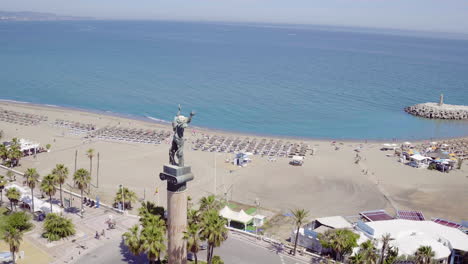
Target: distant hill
[[36, 16]]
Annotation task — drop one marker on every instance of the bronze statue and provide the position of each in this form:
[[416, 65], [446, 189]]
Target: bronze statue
[[177, 149]]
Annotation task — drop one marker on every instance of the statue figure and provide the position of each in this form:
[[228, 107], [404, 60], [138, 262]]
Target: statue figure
[[177, 149], [441, 99]]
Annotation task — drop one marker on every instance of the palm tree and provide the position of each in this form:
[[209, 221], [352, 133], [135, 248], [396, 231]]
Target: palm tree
[[386, 238], [62, 174], [82, 180], [299, 216], [341, 241], [90, 154], [31, 178], [208, 203], [2, 186], [11, 175], [48, 186], [14, 153], [128, 197], [13, 195], [149, 208], [132, 240], [3, 152], [368, 250], [358, 258], [424, 255], [13, 238], [192, 235], [152, 238], [193, 216], [213, 230]]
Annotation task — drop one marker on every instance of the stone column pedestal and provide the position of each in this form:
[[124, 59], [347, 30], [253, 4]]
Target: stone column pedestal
[[177, 224], [177, 178]]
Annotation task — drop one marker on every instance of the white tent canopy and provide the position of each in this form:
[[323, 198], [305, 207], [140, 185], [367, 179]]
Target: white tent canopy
[[27, 145], [298, 158], [420, 157], [335, 222], [40, 205], [231, 215], [21, 189]]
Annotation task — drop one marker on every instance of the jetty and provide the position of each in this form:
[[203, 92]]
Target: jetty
[[439, 110]]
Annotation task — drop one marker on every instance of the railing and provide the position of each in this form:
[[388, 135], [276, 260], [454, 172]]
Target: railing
[[66, 191], [274, 242]]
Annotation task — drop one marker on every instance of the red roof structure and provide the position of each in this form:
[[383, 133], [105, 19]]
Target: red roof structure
[[410, 215], [447, 223], [376, 215]]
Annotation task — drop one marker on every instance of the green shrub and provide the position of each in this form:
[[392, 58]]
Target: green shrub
[[19, 221], [217, 260], [432, 166]]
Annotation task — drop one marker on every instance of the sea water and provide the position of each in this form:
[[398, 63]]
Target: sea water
[[315, 82]]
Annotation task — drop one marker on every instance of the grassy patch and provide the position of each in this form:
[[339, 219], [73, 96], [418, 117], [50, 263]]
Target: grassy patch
[[3, 220], [251, 211]]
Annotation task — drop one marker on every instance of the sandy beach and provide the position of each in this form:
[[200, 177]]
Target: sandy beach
[[329, 183]]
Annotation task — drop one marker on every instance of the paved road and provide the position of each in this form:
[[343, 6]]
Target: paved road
[[233, 251], [236, 251]]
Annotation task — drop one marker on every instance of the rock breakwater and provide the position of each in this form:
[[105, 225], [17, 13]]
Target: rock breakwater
[[439, 111]]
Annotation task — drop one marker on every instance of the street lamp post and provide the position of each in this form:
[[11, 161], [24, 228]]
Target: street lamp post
[[123, 198], [257, 203]]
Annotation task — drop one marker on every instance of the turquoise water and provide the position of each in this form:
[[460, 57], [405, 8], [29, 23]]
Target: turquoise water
[[289, 81]]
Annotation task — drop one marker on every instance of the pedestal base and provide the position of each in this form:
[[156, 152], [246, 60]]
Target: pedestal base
[[177, 178]]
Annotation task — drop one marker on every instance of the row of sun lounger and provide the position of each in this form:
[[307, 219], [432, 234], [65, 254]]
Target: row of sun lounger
[[457, 146], [75, 127], [20, 118], [148, 136], [273, 148]]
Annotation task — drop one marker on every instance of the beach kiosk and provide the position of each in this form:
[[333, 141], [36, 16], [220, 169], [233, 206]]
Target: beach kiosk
[[420, 161], [242, 159], [258, 220], [297, 161]]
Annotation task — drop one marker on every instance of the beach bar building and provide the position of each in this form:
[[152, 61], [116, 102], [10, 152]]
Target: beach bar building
[[448, 243], [28, 147], [420, 160], [308, 234]]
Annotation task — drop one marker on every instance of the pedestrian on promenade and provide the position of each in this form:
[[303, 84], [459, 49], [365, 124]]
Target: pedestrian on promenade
[[103, 234]]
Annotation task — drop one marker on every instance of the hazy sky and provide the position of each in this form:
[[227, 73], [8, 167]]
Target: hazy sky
[[432, 15]]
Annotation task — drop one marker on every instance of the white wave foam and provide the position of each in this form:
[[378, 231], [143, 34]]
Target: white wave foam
[[157, 119]]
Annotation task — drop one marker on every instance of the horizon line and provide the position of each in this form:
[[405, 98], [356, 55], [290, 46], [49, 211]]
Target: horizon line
[[403, 30]]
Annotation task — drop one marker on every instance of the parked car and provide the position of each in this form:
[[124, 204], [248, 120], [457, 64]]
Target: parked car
[[203, 246], [190, 256], [39, 216]]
